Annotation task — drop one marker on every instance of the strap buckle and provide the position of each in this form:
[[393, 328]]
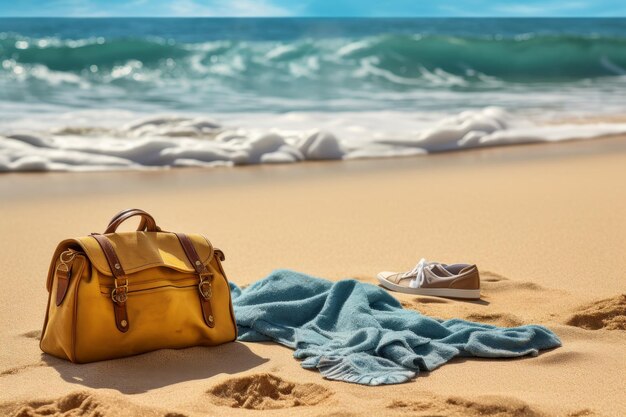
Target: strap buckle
[[120, 292], [65, 260], [204, 286]]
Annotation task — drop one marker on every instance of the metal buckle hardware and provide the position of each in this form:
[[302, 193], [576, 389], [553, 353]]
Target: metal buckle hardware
[[120, 293], [204, 286], [64, 259]]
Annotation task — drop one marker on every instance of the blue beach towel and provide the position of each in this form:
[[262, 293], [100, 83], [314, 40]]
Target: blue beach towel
[[356, 332]]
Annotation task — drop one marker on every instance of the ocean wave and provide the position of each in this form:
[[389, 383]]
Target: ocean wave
[[178, 140], [523, 59], [79, 55], [311, 74], [520, 59]]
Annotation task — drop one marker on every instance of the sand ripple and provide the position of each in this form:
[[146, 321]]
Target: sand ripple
[[491, 406], [82, 404], [609, 314]]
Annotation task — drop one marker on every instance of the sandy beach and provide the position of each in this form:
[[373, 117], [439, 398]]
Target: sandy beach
[[544, 223]]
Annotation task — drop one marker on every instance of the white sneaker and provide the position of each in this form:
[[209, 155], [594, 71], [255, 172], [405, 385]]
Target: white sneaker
[[435, 279]]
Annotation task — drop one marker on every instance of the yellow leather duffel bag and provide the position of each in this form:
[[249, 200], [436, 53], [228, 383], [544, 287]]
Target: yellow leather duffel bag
[[120, 294]]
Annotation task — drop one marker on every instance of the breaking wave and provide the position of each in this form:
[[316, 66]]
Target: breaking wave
[[179, 141], [522, 58], [305, 74]]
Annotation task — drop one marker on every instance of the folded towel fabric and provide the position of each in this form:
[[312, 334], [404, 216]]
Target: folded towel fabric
[[356, 332]]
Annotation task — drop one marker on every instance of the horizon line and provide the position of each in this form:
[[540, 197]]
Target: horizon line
[[313, 17]]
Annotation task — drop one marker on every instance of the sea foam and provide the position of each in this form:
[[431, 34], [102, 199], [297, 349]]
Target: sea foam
[[181, 141]]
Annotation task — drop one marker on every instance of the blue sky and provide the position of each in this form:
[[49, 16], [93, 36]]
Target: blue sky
[[360, 8]]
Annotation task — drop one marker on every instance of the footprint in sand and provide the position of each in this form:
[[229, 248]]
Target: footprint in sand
[[459, 407], [81, 404], [492, 406], [73, 404], [608, 314], [267, 392]]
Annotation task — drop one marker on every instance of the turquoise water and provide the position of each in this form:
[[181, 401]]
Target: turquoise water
[[98, 94], [277, 65]]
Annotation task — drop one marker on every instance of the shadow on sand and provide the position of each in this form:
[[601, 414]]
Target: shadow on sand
[[157, 369]]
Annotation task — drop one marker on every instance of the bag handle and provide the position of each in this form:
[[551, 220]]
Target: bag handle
[[147, 223], [142, 223]]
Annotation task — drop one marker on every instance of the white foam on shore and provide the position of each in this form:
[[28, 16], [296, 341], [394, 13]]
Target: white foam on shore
[[179, 141]]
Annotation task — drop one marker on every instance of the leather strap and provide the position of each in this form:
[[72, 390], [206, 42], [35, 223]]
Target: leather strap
[[63, 274], [147, 223], [63, 281], [204, 286], [119, 295], [142, 224]]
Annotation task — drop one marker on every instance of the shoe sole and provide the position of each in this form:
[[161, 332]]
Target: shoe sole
[[434, 292]]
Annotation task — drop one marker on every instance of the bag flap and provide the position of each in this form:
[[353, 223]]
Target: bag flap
[[142, 250]]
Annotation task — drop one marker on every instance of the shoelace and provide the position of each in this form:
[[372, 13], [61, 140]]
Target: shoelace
[[418, 271]]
